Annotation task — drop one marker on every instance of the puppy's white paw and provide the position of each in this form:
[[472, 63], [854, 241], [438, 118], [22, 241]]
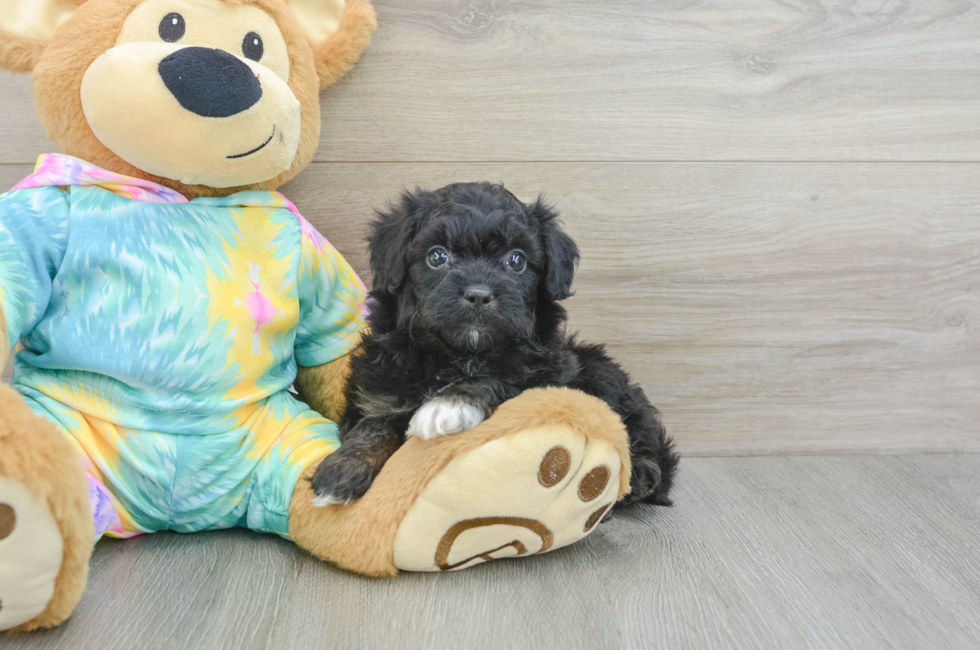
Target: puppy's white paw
[[328, 500], [441, 417]]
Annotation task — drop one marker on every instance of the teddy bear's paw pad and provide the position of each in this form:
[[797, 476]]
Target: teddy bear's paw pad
[[531, 492], [30, 554]]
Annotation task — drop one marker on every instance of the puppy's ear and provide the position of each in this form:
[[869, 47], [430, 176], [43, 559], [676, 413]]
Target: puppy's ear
[[391, 237], [560, 249]]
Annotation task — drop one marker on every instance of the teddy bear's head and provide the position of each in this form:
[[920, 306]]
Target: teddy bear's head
[[208, 97]]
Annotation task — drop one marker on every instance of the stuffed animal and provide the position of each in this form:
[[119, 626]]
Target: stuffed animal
[[165, 298]]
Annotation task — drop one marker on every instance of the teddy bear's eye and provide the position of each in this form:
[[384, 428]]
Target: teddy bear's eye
[[172, 27], [252, 46]]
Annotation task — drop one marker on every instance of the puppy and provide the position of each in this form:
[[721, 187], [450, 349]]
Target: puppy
[[465, 315]]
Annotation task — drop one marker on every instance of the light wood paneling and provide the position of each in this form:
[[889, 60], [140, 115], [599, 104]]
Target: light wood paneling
[[857, 552], [634, 80], [766, 308], [22, 138]]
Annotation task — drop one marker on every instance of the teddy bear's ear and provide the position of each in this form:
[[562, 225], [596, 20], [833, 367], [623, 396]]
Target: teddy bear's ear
[[26, 27], [338, 31]]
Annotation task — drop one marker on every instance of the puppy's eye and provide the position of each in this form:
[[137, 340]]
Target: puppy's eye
[[436, 257], [172, 28], [252, 46], [517, 261]]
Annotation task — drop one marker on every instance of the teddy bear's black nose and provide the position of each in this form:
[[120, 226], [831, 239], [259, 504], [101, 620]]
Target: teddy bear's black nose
[[210, 83]]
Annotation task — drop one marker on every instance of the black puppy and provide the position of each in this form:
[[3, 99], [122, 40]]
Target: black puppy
[[465, 315]]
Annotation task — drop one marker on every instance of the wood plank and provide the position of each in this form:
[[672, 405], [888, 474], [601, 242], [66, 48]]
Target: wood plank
[[819, 552], [692, 80], [21, 133], [766, 308]]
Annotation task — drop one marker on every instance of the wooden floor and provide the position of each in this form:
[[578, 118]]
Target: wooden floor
[[818, 552]]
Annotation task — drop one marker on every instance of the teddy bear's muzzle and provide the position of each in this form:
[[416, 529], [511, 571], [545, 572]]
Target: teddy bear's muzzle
[[197, 115]]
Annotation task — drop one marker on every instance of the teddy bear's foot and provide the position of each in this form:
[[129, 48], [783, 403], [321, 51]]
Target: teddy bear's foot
[[46, 529], [30, 554], [533, 491], [537, 475]]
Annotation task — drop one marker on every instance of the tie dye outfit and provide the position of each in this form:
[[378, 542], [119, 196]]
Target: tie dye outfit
[[162, 336]]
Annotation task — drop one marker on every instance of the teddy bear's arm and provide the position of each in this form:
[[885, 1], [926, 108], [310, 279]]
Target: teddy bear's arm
[[4, 341], [332, 319], [33, 238], [323, 386]]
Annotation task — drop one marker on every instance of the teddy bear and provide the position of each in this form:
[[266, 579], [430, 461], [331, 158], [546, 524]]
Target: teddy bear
[[164, 300]]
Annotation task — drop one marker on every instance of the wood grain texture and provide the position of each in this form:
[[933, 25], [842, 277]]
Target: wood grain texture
[[766, 308], [817, 552], [21, 133], [632, 80]]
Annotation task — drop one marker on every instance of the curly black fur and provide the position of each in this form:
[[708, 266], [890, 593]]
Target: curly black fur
[[428, 341]]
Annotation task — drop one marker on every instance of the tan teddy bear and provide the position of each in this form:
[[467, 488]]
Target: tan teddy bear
[[165, 298]]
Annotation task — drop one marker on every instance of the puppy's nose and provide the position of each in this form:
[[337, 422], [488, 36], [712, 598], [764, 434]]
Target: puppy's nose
[[210, 83], [478, 295]]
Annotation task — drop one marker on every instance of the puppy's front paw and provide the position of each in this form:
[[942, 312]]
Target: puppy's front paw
[[341, 478], [440, 417]]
